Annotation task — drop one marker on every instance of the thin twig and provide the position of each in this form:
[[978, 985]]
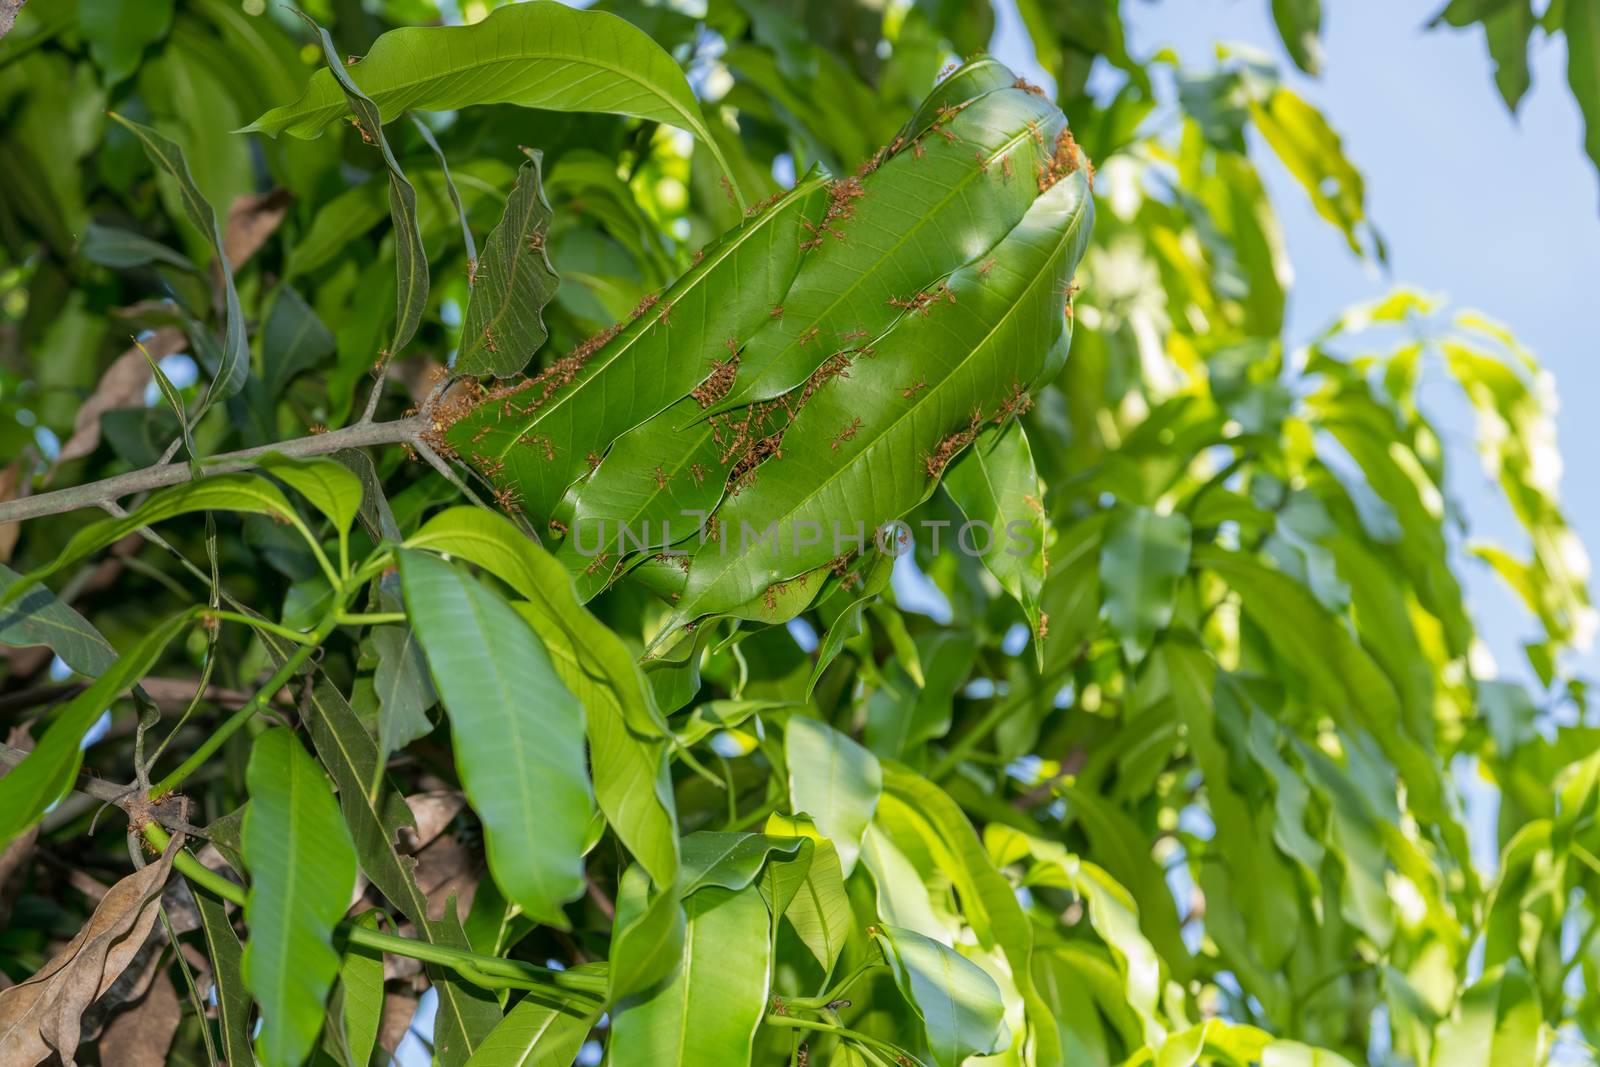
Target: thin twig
[[108, 490]]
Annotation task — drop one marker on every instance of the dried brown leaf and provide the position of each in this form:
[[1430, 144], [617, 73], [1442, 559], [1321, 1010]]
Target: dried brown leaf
[[44, 1014], [398, 1010], [251, 220], [141, 1035]]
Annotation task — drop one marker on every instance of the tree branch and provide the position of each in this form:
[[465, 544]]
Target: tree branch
[[108, 490]]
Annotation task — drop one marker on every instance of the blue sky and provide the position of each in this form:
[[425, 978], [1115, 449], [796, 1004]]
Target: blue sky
[[1497, 213]]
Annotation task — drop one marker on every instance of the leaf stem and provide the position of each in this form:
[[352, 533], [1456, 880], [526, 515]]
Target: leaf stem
[[839, 990], [352, 618], [299, 637], [900, 1054]]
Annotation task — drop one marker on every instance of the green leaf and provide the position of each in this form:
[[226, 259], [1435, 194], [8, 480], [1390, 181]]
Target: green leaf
[[329, 486], [233, 370], [117, 248], [1299, 24], [361, 995], [1314, 154], [41, 618], [818, 907], [1582, 27], [410, 257], [247, 493], [647, 935], [627, 732], [302, 870], [537, 1034], [833, 780], [293, 341], [868, 446], [1509, 32], [727, 860], [118, 31], [337, 224], [48, 771], [375, 816], [960, 1005], [517, 731], [227, 978], [1141, 561], [707, 1013], [541, 55], [504, 327], [653, 360], [404, 689], [1293, 1054], [995, 485]]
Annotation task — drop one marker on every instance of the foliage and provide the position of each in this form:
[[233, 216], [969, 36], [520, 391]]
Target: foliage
[[1178, 771]]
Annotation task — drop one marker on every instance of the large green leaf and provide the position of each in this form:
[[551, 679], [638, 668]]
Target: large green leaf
[[544, 432], [30, 787], [960, 1005], [709, 1010], [818, 907], [868, 446], [1299, 24], [647, 935], [833, 780], [41, 618], [1581, 25], [330, 487], [728, 860], [536, 1033], [517, 732], [375, 815], [360, 996], [541, 55], [302, 870], [1143, 557], [227, 978], [627, 733], [504, 326]]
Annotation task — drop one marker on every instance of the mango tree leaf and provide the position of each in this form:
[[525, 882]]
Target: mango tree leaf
[[41, 1019], [117, 248], [504, 327], [1581, 25], [866, 447], [233, 369], [302, 870], [1299, 25], [517, 731], [410, 257], [960, 1005], [1141, 560], [48, 771], [709, 1010], [655, 359], [361, 995], [293, 341], [647, 935], [1314, 154], [375, 815], [536, 1033], [404, 689], [329, 486], [119, 31], [227, 978], [728, 860], [41, 618], [833, 780], [246, 493], [1294, 1054], [817, 907], [995, 485], [627, 732], [539, 55]]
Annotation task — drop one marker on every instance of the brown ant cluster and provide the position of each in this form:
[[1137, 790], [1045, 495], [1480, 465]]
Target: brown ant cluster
[[842, 195], [845, 434], [923, 303], [936, 461], [1062, 162], [719, 382], [758, 435], [1027, 86]]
